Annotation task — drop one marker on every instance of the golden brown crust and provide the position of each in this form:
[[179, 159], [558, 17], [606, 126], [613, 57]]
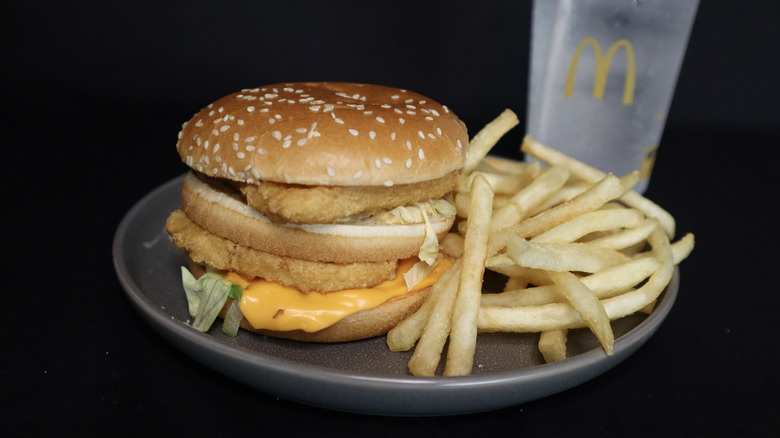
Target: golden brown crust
[[307, 276], [299, 204], [323, 133], [293, 242]]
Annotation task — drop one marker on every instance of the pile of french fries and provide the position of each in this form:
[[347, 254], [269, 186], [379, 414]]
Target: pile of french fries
[[579, 248]]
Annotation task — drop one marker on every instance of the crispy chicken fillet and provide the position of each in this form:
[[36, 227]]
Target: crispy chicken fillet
[[204, 247], [323, 204]]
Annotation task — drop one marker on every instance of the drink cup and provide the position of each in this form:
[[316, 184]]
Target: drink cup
[[602, 76]]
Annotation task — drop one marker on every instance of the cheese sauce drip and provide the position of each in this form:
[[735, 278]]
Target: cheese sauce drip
[[271, 306]]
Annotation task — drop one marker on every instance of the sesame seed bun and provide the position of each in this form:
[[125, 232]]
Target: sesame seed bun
[[323, 133]]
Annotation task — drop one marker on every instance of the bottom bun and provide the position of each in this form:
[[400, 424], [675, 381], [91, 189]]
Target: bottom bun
[[361, 325]]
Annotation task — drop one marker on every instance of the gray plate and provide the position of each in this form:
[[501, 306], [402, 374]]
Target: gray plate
[[361, 376]]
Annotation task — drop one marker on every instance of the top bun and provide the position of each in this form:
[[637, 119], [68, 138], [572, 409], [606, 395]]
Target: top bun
[[324, 133]]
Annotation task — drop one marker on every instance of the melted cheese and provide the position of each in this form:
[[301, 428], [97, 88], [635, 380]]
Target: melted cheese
[[268, 305]]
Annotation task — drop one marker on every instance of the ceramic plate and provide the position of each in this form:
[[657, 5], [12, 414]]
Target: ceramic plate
[[361, 376]]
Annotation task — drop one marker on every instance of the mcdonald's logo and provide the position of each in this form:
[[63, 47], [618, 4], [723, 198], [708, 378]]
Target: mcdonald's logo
[[602, 68]]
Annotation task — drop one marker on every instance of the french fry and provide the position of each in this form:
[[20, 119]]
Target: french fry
[[604, 284], [587, 306], [591, 199], [552, 345], [580, 248], [553, 316], [600, 220], [559, 257], [590, 174], [433, 335], [463, 334], [682, 248], [487, 137], [502, 184], [626, 238], [452, 245], [550, 181], [403, 336]]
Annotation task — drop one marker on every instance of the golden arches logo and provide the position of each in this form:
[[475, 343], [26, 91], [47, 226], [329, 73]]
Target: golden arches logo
[[602, 68]]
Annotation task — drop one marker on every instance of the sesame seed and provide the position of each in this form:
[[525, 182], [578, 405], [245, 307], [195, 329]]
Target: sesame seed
[[235, 146], [429, 118], [301, 142], [287, 178], [372, 134], [250, 139], [240, 155], [431, 136], [331, 172], [378, 163], [353, 132], [221, 109], [401, 120], [408, 145], [392, 136], [339, 121], [286, 144], [387, 160], [199, 123], [460, 145], [271, 121], [438, 130], [241, 122], [250, 108], [408, 163], [357, 174], [300, 130], [395, 96], [420, 133], [262, 151], [214, 132], [421, 154], [380, 120], [235, 136], [277, 135], [224, 128], [250, 148], [388, 183]]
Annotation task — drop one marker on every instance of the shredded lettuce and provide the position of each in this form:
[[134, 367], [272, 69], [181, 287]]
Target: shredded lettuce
[[205, 298], [429, 249], [419, 271], [413, 213]]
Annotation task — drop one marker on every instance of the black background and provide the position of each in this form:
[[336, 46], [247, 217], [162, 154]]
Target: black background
[[93, 97]]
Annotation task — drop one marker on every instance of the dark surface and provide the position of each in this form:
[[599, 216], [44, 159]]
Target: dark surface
[[87, 85]]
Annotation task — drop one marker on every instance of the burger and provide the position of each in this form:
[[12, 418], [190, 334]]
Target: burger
[[312, 211]]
